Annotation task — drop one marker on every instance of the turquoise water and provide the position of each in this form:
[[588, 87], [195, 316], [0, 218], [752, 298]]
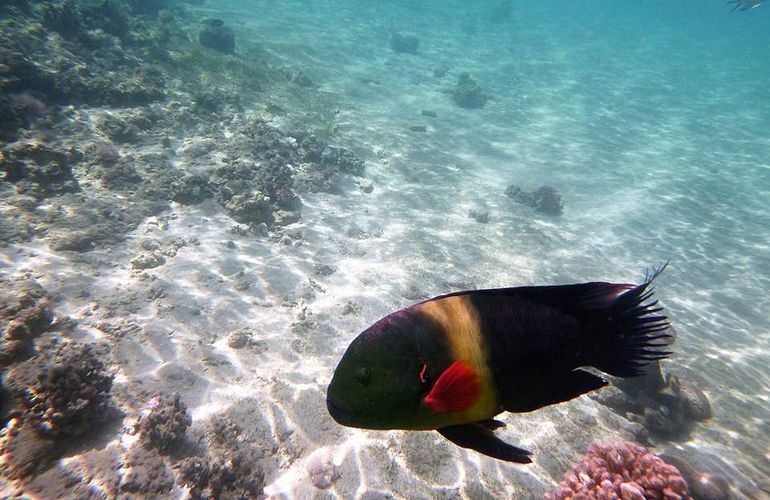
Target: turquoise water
[[652, 119]]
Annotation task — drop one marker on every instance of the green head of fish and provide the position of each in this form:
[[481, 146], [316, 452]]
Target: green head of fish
[[382, 378]]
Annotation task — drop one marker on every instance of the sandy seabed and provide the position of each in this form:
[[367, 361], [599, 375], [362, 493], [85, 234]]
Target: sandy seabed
[[225, 241]]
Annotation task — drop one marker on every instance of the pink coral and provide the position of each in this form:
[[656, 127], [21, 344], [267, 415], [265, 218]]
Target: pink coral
[[621, 470]]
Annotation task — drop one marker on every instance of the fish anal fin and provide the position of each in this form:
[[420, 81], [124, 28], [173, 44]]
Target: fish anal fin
[[492, 424], [530, 396], [478, 436]]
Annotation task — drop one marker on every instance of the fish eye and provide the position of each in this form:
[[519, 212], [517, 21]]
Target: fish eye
[[363, 375]]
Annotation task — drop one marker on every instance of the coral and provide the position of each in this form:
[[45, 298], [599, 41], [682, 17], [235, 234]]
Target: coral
[[147, 475], [119, 130], [545, 199], [479, 215], [299, 78], [147, 7], [59, 393], [129, 59], [672, 411], [38, 169], [710, 486], [321, 166], [703, 485], [343, 160], [164, 424], [217, 36], [190, 189], [63, 18], [468, 94], [548, 200], [648, 385], [23, 452], [695, 403], [252, 210], [668, 406], [240, 450], [624, 470], [24, 314], [74, 241], [16, 342], [257, 184], [238, 339], [284, 217], [25, 102], [118, 175], [441, 70], [195, 472], [406, 44], [97, 220], [285, 198], [106, 153], [322, 471], [27, 302], [86, 34], [111, 17], [258, 175], [236, 477], [66, 393], [148, 260]]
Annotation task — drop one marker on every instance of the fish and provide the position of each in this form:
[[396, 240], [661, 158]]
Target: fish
[[745, 4], [454, 362]]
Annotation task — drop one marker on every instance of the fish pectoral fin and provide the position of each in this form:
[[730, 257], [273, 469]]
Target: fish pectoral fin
[[479, 436], [551, 391]]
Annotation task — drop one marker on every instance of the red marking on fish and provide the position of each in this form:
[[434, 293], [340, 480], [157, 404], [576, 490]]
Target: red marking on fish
[[455, 390], [423, 371]]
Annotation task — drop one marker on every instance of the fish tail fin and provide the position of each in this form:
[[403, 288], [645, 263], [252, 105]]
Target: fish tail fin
[[631, 331]]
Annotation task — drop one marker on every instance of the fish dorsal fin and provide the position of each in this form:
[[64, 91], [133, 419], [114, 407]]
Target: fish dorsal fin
[[457, 389]]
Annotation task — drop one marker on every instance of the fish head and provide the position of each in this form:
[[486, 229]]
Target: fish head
[[377, 383]]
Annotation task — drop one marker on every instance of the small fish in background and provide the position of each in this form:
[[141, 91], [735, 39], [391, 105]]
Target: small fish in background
[[454, 362], [745, 4]]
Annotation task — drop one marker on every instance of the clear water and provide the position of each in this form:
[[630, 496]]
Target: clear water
[[652, 119]]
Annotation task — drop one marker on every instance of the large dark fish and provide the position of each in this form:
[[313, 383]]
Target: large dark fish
[[453, 362]]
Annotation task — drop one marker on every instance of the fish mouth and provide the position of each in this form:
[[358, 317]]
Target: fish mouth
[[340, 413]]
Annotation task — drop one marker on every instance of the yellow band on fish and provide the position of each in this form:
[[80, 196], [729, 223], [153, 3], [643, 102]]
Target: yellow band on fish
[[461, 324]]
